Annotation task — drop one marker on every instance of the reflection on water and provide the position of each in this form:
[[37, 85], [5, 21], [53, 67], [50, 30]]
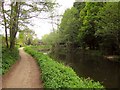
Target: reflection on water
[[97, 68]]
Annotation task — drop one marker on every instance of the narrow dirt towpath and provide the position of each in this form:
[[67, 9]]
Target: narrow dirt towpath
[[24, 74]]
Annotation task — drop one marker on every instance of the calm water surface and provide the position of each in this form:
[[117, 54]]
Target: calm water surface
[[97, 68]]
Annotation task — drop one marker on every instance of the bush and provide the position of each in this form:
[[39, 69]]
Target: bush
[[57, 75], [9, 57]]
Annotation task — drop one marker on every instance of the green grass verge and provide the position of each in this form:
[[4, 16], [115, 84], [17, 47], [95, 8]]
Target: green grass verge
[[8, 58], [57, 75]]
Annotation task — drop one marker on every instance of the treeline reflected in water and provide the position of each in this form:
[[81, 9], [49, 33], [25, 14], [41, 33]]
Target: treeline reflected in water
[[89, 65]]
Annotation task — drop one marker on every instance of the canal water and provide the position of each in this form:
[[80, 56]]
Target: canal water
[[91, 66]]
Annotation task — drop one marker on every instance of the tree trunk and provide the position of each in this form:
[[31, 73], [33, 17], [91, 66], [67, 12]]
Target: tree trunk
[[14, 23], [12, 43], [6, 37]]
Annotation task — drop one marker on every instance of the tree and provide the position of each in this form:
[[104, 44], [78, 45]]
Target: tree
[[5, 24], [21, 38], [89, 19], [69, 25], [26, 37], [68, 29], [19, 14], [52, 38], [92, 25], [109, 24], [35, 41]]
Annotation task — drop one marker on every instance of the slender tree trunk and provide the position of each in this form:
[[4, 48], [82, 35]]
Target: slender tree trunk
[[11, 26], [14, 23], [6, 37]]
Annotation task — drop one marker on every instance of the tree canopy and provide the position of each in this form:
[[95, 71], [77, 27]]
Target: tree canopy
[[17, 15], [92, 25]]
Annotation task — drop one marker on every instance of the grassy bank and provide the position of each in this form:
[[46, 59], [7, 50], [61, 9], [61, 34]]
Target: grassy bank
[[8, 58], [57, 75]]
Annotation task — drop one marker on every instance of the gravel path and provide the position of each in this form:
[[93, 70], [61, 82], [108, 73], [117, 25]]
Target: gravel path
[[24, 74]]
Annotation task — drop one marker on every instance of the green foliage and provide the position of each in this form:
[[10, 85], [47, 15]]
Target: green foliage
[[90, 25], [69, 25], [41, 47], [52, 38], [9, 57], [17, 16], [27, 37], [108, 27], [57, 75], [68, 30]]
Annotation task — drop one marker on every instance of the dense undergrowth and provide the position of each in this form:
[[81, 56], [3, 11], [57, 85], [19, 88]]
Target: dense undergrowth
[[9, 57], [57, 75]]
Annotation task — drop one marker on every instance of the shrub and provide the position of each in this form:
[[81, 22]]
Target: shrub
[[57, 75], [8, 58]]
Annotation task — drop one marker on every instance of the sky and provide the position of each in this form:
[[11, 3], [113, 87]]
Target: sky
[[42, 27]]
